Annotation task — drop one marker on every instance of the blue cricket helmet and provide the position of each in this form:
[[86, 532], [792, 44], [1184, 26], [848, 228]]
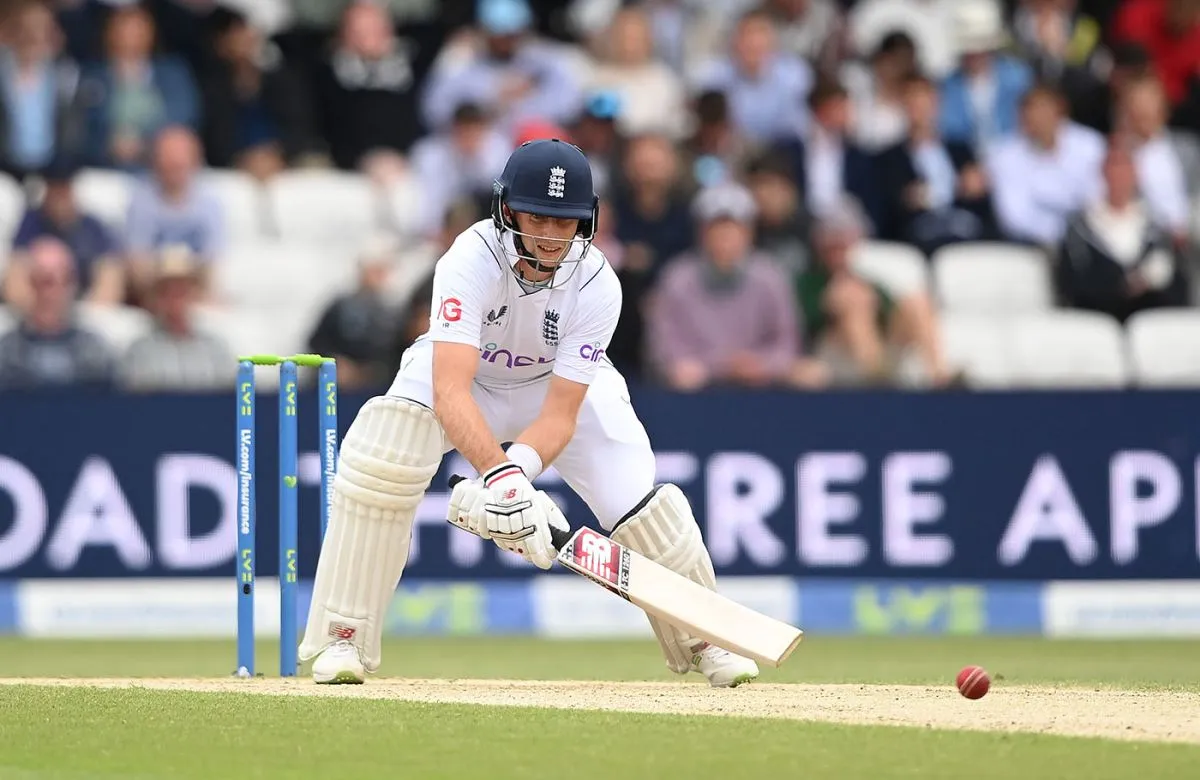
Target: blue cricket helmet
[[549, 177]]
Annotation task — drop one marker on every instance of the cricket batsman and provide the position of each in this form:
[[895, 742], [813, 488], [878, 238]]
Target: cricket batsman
[[523, 308]]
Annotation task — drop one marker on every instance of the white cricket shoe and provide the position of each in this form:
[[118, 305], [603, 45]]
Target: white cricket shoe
[[722, 668], [339, 664]]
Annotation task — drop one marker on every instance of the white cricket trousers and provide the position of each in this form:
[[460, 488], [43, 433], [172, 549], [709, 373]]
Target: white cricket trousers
[[609, 462]]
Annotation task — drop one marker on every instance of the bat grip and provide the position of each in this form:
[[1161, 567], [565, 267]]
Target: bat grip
[[558, 537]]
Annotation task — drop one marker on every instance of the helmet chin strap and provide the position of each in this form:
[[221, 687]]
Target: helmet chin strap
[[531, 259]]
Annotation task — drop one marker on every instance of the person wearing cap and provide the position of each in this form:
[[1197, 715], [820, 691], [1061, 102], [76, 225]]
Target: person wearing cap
[[723, 314], [175, 356], [857, 327], [981, 98], [506, 69], [100, 271], [651, 94], [595, 132]]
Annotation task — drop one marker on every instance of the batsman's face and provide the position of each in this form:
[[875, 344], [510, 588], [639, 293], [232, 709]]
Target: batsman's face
[[547, 238]]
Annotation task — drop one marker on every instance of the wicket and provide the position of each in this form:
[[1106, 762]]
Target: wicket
[[327, 437]]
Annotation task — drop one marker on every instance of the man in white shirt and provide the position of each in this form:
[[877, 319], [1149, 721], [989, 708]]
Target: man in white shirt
[[1045, 173], [523, 308], [1142, 116]]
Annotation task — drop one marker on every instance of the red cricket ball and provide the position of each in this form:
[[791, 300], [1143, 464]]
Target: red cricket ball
[[973, 682]]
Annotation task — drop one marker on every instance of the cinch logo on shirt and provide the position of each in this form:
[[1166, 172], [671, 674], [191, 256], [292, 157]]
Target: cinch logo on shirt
[[591, 352], [492, 352]]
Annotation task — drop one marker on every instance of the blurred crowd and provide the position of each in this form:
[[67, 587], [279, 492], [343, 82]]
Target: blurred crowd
[[744, 151]]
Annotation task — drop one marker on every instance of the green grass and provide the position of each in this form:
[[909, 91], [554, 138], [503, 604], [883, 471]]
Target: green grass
[[65, 734], [1136, 664], [74, 733]]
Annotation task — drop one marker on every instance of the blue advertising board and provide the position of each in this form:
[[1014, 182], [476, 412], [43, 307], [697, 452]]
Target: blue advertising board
[[1020, 486]]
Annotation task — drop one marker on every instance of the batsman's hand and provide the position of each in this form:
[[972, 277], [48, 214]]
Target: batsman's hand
[[504, 506]]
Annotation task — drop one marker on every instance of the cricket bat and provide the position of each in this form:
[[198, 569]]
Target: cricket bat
[[660, 592]]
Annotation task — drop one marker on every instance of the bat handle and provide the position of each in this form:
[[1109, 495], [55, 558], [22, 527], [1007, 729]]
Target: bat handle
[[558, 537]]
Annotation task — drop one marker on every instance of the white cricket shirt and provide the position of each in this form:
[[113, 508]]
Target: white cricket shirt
[[523, 334]]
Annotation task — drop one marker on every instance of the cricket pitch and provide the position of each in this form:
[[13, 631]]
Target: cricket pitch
[[1142, 715]]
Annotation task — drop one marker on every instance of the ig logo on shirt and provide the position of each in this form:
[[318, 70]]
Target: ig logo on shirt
[[451, 311]]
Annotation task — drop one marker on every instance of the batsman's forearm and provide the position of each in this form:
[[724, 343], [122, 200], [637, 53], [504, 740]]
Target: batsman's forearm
[[467, 430], [548, 436]]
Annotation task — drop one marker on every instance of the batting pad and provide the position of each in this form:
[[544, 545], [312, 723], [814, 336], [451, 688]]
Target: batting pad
[[387, 460], [665, 531]]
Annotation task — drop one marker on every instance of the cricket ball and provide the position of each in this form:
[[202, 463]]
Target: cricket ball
[[973, 682]]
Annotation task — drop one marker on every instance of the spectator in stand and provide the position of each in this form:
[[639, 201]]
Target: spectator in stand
[[1170, 31], [811, 29], [783, 224], [765, 86], [928, 22], [595, 132], [1115, 259], [653, 225], [175, 356], [459, 163], [981, 99], [359, 327], [1098, 110], [173, 206], [827, 164], [1046, 172], [40, 110], [877, 92], [48, 349], [99, 266], [932, 192], [718, 150], [1142, 121], [257, 115], [133, 93], [651, 94], [1063, 45], [856, 327], [506, 69], [652, 208], [410, 287], [368, 92], [722, 314]]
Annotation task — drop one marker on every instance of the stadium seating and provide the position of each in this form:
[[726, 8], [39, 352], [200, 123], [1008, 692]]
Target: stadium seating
[[105, 195], [992, 278], [977, 345], [244, 201], [327, 207], [898, 268], [1067, 349], [1164, 347], [118, 325], [12, 206]]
